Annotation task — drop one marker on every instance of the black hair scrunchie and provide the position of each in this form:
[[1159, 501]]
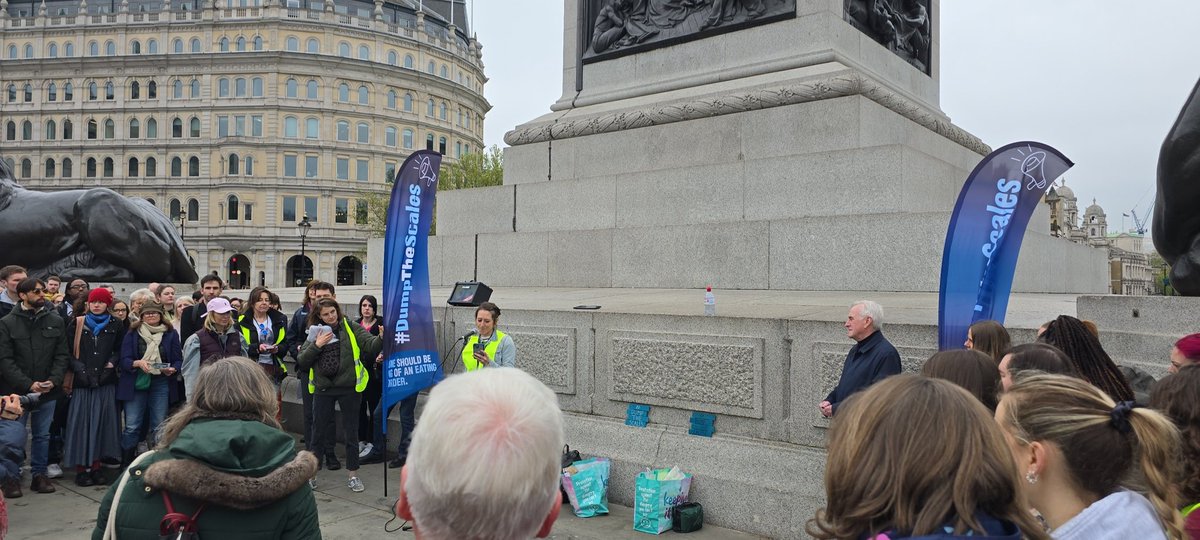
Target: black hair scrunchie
[[1119, 416]]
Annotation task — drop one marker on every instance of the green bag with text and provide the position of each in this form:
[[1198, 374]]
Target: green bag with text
[[656, 494]]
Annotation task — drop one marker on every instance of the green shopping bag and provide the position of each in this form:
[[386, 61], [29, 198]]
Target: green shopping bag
[[656, 494], [586, 483]]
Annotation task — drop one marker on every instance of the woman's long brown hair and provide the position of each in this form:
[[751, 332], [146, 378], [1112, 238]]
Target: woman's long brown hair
[[912, 454]]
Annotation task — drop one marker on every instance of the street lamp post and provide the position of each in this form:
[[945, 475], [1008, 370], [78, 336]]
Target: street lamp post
[[304, 226], [180, 219]]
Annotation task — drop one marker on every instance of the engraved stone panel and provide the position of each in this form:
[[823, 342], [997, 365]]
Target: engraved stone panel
[[718, 374], [547, 353]]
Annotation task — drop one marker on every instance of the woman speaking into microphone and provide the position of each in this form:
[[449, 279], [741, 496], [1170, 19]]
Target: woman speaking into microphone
[[488, 347]]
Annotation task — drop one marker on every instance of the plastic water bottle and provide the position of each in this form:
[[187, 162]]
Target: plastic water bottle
[[710, 302]]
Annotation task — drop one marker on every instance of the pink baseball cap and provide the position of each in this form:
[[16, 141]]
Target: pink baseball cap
[[219, 305]]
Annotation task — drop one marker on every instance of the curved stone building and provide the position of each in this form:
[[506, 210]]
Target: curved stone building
[[242, 118]]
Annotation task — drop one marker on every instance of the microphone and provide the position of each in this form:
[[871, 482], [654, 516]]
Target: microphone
[[469, 334]]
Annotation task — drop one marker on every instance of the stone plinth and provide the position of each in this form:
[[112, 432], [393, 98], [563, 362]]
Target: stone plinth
[[835, 171], [1140, 330], [761, 367]]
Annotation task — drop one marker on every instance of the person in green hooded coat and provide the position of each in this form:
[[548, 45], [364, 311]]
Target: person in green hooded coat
[[222, 460]]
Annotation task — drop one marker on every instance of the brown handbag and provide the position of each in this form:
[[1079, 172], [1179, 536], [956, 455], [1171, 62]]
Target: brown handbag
[[69, 377]]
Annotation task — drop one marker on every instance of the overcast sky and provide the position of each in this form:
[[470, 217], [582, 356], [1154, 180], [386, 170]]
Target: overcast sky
[[1103, 85]]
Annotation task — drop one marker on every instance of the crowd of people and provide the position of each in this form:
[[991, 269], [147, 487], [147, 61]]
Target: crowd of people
[[1050, 439], [99, 376]]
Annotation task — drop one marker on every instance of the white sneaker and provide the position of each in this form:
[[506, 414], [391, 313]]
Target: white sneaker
[[53, 471], [364, 449], [361, 445], [355, 485]]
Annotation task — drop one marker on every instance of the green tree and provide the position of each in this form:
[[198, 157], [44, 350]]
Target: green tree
[[471, 170]]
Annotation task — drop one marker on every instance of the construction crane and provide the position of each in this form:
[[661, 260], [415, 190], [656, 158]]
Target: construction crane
[[1138, 224]]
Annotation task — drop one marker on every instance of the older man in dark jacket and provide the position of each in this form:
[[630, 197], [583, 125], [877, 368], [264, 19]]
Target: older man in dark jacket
[[869, 361], [34, 358]]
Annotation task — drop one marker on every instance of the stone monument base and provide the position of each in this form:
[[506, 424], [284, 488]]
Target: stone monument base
[[812, 178], [760, 366]]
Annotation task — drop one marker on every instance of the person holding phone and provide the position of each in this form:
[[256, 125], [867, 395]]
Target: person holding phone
[[34, 359], [488, 347], [264, 329], [150, 357]]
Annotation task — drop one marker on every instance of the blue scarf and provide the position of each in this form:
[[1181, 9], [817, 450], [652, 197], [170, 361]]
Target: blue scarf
[[96, 323]]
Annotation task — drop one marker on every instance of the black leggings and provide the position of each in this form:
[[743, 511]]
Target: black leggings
[[366, 412], [324, 422]]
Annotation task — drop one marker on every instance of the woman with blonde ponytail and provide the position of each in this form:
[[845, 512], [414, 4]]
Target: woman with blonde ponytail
[[1077, 448]]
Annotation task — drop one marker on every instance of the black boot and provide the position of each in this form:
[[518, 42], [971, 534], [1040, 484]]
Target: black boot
[[127, 457]]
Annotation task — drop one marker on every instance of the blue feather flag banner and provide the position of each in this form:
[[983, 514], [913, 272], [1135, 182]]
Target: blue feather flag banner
[[983, 240], [410, 353]]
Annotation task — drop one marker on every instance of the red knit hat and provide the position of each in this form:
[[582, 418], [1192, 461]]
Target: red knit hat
[[1189, 346], [100, 295]]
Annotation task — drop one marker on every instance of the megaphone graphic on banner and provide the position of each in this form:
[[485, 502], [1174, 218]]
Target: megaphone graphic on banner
[[1031, 167]]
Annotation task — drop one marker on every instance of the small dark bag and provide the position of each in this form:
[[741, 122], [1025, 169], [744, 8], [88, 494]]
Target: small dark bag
[[688, 517], [329, 360], [569, 457]]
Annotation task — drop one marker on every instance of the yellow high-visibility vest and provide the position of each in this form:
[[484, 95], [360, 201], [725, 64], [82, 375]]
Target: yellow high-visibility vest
[[280, 333], [468, 351], [360, 373]]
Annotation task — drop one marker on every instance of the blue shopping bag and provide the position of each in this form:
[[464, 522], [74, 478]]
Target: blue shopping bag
[[586, 484], [656, 495]]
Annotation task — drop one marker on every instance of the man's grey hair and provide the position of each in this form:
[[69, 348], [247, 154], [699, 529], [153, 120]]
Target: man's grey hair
[[140, 296], [872, 309], [486, 457]]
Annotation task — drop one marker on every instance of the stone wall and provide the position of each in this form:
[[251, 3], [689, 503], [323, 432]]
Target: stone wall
[[762, 471]]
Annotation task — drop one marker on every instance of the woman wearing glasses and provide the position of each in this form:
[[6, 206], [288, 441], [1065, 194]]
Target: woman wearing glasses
[[265, 330], [120, 310]]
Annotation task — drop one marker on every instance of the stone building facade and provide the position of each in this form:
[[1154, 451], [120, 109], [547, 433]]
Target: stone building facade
[[239, 119], [1129, 264]]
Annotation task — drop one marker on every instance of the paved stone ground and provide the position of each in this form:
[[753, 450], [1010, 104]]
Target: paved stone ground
[[70, 513]]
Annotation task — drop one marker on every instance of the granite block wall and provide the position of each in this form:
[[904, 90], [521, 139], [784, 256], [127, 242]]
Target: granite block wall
[[762, 471]]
